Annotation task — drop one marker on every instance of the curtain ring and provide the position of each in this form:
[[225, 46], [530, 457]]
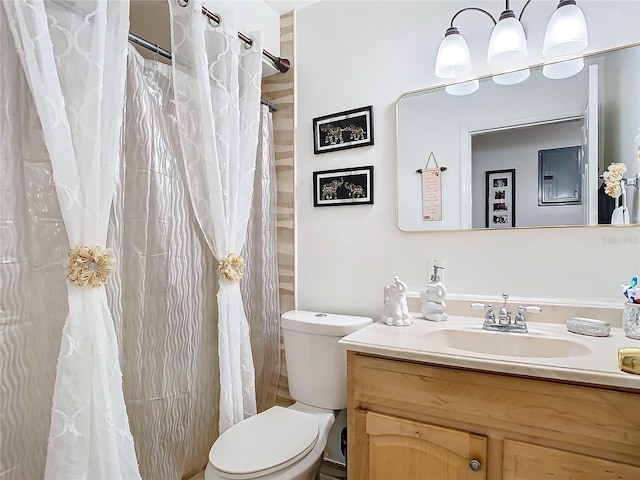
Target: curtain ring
[[183, 3], [213, 23]]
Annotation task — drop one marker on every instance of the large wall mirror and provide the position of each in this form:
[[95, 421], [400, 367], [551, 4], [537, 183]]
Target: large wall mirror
[[525, 155]]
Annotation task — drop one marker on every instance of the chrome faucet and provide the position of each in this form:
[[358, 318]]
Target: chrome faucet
[[504, 322]]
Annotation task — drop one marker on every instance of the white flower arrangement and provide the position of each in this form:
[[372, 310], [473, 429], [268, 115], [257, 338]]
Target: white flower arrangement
[[613, 179]]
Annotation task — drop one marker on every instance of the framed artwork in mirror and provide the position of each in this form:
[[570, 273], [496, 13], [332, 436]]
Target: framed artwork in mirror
[[500, 198], [344, 186], [338, 131]]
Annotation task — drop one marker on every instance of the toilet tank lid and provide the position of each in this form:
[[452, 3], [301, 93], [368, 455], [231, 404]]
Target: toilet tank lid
[[319, 323]]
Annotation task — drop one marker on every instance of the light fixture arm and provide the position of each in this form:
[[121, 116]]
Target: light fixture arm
[[474, 8], [522, 11], [495, 22]]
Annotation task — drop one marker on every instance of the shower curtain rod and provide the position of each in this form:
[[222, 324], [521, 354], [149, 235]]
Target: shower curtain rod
[[282, 64], [157, 49]]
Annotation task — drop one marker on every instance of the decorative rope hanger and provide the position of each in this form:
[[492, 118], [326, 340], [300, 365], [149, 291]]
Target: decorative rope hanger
[[431, 155]]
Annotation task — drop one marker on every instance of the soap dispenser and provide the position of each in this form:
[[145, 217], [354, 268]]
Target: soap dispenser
[[432, 298]]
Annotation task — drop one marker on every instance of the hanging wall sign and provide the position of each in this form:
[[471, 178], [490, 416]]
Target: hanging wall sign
[[432, 191]]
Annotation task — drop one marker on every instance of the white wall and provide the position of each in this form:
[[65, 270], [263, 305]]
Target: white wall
[[518, 149], [252, 16], [352, 54]]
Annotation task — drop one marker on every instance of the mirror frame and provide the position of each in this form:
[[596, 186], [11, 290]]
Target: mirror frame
[[464, 173]]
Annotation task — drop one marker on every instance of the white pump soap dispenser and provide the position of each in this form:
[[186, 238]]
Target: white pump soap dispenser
[[433, 297]]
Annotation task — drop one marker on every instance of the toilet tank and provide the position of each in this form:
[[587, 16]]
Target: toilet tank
[[316, 362]]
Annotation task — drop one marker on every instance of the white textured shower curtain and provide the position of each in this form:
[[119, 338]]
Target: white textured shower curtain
[[260, 282], [217, 95], [89, 432], [163, 294]]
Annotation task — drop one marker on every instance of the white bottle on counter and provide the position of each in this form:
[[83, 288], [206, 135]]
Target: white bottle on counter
[[432, 298]]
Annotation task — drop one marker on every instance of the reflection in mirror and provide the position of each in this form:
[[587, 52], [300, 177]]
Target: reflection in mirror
[[594, 114]]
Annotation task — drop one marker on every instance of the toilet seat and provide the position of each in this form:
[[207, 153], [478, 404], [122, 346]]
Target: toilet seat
[[264, 443]]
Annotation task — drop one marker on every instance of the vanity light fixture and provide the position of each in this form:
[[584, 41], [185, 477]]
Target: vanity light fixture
[[566, 34], [508, 43], [453, 59], [566, 31]]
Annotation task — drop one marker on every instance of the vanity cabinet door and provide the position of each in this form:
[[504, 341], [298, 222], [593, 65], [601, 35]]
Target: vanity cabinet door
[[405, 449], [524, 461]]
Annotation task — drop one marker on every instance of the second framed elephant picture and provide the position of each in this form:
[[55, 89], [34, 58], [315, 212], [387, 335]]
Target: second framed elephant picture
[[344, 186]]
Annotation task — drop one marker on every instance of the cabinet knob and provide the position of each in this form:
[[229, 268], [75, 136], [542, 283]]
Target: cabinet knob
[[475, 465]]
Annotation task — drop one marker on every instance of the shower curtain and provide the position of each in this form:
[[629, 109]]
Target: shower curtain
[[33, 295], [89, 434], [164, 287], [260, 282], [161, 293], [217, 94]]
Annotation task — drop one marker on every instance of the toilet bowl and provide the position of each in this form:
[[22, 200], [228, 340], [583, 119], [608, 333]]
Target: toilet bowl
[[288, 443], [281, 443]]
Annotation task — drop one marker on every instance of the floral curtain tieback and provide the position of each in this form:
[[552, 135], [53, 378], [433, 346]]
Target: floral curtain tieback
[[89, 266], [230, 267]]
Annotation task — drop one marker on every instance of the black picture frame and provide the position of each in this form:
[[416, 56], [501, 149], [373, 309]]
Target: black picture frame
[[339, 131], [500, 204], [343, 186]]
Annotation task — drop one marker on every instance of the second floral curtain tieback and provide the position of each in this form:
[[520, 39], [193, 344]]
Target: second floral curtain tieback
[[89, 266], [230, 267]]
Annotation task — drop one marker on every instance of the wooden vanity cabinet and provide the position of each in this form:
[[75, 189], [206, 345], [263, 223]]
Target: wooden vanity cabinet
[[409, 420]]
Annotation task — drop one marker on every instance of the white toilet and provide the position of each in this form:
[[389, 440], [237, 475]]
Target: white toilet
[[287, 443]]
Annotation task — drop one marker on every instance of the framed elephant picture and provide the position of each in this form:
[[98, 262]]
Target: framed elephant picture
[[349, 129], [344, 186]]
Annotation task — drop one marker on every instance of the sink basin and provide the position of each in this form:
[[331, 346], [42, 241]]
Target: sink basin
[[508, 344]]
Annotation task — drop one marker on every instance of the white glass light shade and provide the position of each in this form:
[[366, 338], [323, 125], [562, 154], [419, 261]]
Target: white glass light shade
[[453, 58], [512, 78], [566, 69], [508, 42], [566, 32], [465, 88]]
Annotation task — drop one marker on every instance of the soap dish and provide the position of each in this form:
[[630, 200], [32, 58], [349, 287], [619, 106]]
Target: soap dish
[[588, 326]]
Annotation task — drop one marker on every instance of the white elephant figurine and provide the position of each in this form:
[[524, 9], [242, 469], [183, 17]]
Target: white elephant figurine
[[396, 311]]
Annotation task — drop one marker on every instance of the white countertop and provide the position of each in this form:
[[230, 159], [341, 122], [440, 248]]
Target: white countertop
[[600, 367]]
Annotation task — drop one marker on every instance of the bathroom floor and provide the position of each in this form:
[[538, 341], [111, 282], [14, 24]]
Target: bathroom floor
[[322, 476], [326, 473]]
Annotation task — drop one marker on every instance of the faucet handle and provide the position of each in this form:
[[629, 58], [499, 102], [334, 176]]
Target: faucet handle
[[489, 317], [531, 309], [520, 320], [480, 306]]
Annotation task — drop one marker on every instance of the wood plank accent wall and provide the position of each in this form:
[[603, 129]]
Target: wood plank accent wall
[[279, 89]]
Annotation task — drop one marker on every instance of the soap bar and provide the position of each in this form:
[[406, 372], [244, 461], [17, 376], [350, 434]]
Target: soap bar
[[629, 360], [588, 326]]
